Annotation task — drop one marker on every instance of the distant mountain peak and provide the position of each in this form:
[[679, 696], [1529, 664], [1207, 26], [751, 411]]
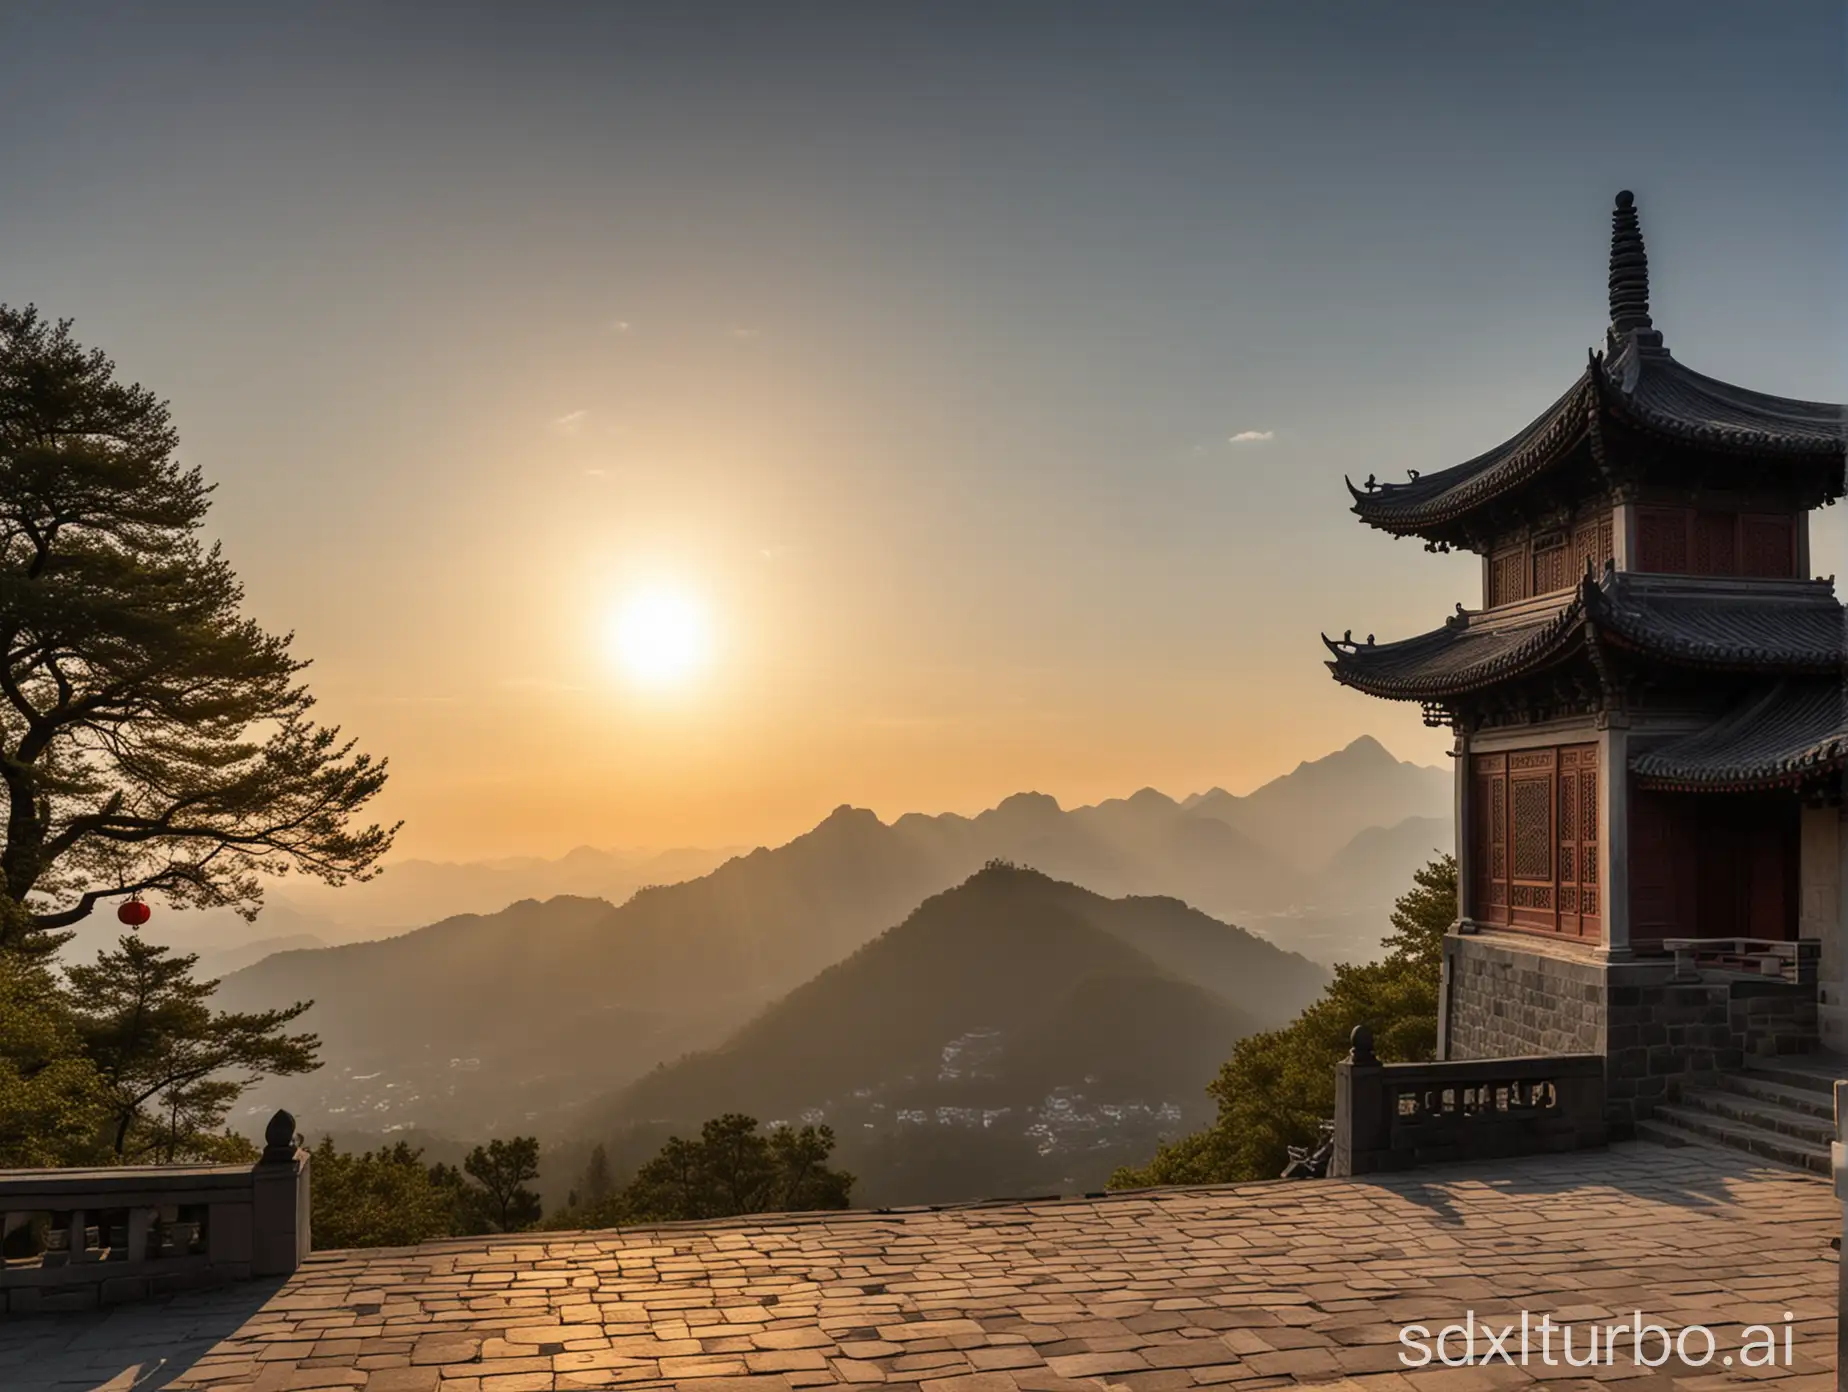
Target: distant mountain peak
[[849, 815], [1003, 873], [1149, 797], [1017, 803]]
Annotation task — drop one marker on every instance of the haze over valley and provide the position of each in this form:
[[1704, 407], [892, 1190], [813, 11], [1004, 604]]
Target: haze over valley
[[553, 1013]]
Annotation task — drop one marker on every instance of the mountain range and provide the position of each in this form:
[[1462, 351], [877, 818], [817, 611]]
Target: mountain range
[[1056, 1031], [510, 1019], [1136, 998]]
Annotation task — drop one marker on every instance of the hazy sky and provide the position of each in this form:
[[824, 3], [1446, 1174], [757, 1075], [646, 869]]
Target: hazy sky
[[910, 341]]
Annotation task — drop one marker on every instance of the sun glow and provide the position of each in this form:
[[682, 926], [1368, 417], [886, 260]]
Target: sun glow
[[660, 637]]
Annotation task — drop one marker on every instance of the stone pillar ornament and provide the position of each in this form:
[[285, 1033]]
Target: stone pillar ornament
[[279, 1139], [280, 1236], [1360, 1050]]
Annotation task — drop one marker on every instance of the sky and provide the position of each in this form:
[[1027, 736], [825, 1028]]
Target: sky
[[983, 376]]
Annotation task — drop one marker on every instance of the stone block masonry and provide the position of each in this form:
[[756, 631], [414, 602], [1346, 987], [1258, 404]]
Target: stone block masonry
[[1509, 997], [1506, 999]]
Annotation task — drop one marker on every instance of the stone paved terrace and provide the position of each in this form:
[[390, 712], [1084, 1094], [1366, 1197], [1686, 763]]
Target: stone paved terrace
[[1249, 1286]]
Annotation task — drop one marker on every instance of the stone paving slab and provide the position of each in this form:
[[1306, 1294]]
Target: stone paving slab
[[1243, 1287]]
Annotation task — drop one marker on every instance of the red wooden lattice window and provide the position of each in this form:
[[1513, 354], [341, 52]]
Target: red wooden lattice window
[[1552, 564], [1662, 540], [1534, 840], [1592, 544], [1508, 576], [1767, 546], [1690, 541]]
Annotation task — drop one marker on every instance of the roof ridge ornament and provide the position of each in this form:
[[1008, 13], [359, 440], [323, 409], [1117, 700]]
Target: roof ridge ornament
[[1629, 279]]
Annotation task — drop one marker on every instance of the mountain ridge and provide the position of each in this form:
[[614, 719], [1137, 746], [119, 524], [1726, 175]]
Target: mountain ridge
[[489, 1017]]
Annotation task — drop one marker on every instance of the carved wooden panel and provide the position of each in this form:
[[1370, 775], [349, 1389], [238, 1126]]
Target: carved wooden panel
[[1498, 822], [1508, 575], [1488, 844], [1768, 545], [1715, 549], [1662, 540], [1552, 566], [1534, 839], [1683, 541], [1577, 817], [1532, 831]]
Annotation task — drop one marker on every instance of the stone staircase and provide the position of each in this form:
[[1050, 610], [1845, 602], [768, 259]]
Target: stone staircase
[[1779, 1108]]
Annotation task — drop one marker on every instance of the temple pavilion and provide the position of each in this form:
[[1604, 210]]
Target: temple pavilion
[[1648, 706]]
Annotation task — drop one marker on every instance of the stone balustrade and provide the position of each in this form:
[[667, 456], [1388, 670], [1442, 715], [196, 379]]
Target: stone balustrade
[[76, 1238], [1396, 1116]]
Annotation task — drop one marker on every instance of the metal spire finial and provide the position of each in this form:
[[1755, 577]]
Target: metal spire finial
[[1629, 283]]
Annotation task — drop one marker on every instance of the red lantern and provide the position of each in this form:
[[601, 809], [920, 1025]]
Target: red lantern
[[134, 913]]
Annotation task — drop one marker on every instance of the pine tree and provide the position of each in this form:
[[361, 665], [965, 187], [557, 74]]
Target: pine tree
[[152, 738], [733, 1169], [168, 1064], [595, 1185], [52, 1103], [503, 1169]]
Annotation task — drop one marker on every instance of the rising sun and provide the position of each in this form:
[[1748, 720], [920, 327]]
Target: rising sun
[[660, 637]]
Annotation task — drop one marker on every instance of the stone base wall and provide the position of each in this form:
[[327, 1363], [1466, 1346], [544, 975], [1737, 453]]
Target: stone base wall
[[1504, 997], [1823, 914]]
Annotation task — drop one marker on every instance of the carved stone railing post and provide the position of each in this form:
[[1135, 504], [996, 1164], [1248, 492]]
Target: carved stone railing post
[[1359, 1105], [280, 1236]]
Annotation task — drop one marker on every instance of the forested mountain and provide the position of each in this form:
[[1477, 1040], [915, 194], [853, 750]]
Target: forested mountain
[[1027, 1015], [1046, 982]]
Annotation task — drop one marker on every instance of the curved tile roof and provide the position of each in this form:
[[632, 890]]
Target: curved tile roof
[[1639, 383], [1649, 386], [1786, 628], [1464, 655], [1792, 734], [1450, 493], [1792, 628]]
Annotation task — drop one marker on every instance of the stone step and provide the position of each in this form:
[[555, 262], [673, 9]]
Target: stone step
[[1754, 1140], [1767, 1116], [1792, 1072], [1769, 1089]]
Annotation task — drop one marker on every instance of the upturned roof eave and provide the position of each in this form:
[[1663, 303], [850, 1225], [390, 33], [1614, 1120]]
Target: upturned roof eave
[[1744, 751], [1799, 441], [1596, 607], [1547, 441], [1618, 390]]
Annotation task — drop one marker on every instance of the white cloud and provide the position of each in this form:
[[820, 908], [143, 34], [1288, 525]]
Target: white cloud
[[1252, 437], [570, 423]]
